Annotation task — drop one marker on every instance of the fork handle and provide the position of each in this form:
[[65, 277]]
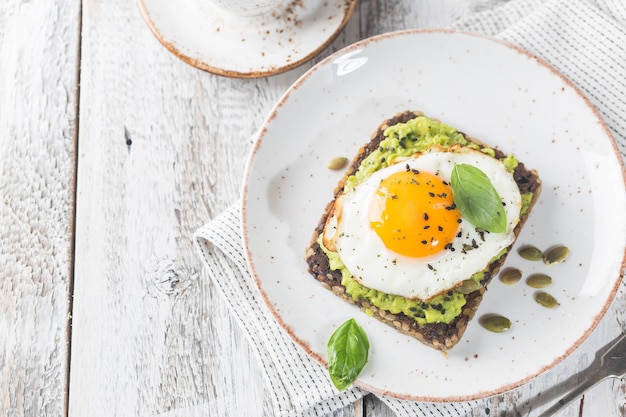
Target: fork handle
[[573, 394]]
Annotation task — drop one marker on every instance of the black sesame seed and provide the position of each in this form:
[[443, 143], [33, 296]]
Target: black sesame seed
[[431, 194], [425, 216], [440, 228], [424, 242], [427, 227]]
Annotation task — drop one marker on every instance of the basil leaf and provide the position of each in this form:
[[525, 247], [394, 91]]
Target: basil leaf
[[477, 199], [347, 350]]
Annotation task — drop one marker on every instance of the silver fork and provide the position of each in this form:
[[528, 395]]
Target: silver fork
[[609, 362]]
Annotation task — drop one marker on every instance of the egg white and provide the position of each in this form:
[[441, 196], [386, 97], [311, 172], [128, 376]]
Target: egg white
[[374, 266]]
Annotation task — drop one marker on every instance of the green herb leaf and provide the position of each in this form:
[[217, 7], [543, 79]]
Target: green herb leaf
[[347, 350], [477, 199]]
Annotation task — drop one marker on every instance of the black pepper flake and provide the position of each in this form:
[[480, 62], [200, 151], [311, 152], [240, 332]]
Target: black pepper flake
[[431, 194], [430, 267], [427, 227], [452, 207], [415, 171], [425, 216], [467, 247], [407, 167], [445, 182], [459, 234], [474, 244], [440, 228], [459, 221], [448, 246], [424, 242]]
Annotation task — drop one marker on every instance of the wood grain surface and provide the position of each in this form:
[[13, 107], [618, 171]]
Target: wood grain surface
[[39, 53], [113, 152]]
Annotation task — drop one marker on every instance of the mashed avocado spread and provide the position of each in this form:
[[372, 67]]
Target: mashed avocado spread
[[404, 140]]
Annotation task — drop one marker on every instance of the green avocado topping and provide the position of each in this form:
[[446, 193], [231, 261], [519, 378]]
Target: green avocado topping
[[440, 309], [404, 140]]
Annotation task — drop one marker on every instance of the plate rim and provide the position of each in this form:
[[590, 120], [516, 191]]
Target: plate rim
[[258, 141], [274, 70]]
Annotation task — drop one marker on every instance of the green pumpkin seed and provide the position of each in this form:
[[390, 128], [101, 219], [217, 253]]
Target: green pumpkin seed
[[495, 323], [539, 281], [556, 255], [468, 286], [510, 276], [546, 300], [337, 163], [530, 253]]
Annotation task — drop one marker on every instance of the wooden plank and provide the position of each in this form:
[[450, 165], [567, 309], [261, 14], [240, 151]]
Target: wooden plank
[[161, 151], [39, 45]]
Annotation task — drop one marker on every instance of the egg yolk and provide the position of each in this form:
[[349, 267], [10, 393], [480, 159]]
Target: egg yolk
[[414, 214]]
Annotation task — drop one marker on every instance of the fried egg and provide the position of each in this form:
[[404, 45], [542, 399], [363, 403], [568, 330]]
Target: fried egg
[[400, 232]]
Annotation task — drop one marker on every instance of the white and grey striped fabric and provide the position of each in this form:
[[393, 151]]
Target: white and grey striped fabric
[[584, 39]]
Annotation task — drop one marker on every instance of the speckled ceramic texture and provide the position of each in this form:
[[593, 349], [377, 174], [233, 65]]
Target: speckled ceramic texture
[[218, 41], [489, 90]]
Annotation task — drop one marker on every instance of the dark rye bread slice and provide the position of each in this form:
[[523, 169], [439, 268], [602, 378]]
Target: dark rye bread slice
[[437, 335]]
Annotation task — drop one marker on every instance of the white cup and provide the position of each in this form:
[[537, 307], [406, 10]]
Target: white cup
[[248, 7]]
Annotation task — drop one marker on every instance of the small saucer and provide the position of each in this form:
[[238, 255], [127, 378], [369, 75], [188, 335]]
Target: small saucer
[[220, 42]]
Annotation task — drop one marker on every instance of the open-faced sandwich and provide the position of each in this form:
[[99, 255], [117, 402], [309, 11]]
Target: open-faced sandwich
[[419, 224]]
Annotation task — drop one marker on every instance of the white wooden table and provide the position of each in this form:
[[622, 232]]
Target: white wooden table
[[112, 152]]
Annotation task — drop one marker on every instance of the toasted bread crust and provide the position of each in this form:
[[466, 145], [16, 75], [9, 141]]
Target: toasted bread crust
[[437, 335]]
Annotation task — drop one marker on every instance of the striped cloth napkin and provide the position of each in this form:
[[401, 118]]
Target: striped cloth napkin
[[584, 39]]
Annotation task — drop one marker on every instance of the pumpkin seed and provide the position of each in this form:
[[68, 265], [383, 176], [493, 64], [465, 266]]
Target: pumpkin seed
[[495, 323], [539, 281], [468, 286], [510, 276], [556, 255], [546, 300], [337, 163], [530, 253]]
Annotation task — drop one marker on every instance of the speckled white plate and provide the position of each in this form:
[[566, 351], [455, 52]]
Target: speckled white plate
[[489, 90], [220, 42]]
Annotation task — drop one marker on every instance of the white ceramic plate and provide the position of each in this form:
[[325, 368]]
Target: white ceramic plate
[[489, 90], [220, 42]]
